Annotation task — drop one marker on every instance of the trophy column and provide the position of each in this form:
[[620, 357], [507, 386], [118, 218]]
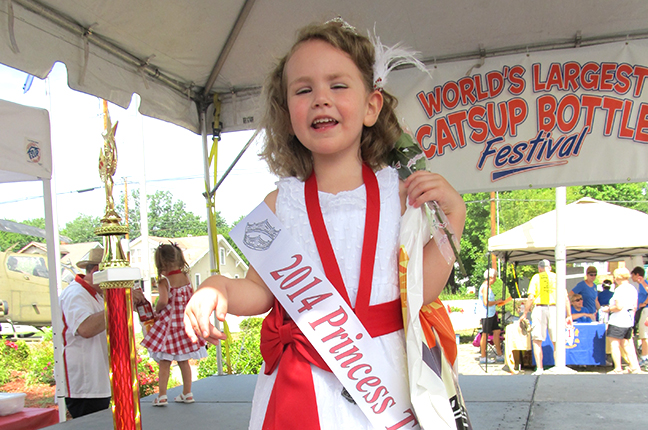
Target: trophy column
[[116, 279]]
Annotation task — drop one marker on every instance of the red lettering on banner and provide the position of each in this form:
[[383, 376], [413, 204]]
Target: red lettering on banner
[[476, 121], [546, 112], [554, 78], [641, 130], [622, 75], [516, 78], [607, 76], [444, 136], [457, 119], [450, 95], [426, 131], [589, 76], [571, 70], [467, 88], [517, 112], [431, 102], [492, 125], [538, 85], [481, 94], [641, 72], [590, 103], [625, 132], [571, 102], [611, 105], [495, 81], [410, 419]]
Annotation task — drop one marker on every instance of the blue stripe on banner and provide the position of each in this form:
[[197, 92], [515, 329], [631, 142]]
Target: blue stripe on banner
[[505, 173]]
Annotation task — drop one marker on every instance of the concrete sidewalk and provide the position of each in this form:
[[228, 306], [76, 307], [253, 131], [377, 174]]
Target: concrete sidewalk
[[520, 402]]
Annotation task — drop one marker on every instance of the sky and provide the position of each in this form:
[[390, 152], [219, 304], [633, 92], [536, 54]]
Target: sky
[[164, 156]]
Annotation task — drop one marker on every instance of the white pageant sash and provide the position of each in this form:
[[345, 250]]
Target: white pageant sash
[[327, 321]]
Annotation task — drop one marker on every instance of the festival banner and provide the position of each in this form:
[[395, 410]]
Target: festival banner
[[323, 316], [532, 120]]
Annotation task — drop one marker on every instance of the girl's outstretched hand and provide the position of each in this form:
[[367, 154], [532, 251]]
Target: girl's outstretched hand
[[198, 311], [423, 186]]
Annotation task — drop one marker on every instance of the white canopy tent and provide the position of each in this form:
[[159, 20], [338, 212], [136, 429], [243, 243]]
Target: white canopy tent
[[593, 231], [26, 156], [177, 53], [586, 230]]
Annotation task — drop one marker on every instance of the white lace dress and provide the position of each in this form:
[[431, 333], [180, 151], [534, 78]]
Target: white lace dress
[[344, 216]]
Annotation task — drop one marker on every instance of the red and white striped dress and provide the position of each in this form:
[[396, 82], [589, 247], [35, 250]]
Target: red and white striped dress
[[167, 339]]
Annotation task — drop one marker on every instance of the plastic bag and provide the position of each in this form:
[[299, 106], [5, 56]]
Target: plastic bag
[[430, 338]]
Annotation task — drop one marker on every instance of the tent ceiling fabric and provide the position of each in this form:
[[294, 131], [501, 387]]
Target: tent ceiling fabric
[[182, 39], [594, 231]]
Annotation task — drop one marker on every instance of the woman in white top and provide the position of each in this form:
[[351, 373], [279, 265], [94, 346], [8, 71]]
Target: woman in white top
[[621, 309]]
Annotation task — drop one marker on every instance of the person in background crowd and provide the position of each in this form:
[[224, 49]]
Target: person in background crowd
[[587, 288], [605, 295], [578, 312], [542, 294], [489, 320], [85, 347], [622, 308], [641, 316], [604, 300]]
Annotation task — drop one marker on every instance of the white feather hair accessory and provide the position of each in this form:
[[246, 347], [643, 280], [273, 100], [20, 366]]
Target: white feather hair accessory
[[389, 57]]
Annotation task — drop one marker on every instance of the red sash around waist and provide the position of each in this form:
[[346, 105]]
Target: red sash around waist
[[292, 402]]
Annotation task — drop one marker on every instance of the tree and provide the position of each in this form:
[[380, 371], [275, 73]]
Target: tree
[[82, 229], [166, 217], [519, 206], [17, 241], [474, 240], [630, 195]]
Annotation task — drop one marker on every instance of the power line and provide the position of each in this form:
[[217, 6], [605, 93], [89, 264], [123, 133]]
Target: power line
[[235, 172]]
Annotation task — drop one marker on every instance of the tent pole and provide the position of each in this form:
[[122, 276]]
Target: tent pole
[[488, 290], [54, 266], [212, 233], [561, 271], [147, 287]]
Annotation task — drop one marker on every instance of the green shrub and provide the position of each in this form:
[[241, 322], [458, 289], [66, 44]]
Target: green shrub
[[244, 349], [13, 357], [41, 363], [147, 375]]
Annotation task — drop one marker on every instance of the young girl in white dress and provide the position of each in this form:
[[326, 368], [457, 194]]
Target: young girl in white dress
[[329, 129]]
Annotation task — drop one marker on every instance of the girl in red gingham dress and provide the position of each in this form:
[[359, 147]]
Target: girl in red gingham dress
[[167, 341]]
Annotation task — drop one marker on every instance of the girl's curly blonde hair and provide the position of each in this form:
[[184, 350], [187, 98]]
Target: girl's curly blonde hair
[[283, 152], [169, 256]]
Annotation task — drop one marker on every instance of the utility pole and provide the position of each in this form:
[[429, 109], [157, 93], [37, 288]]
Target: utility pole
[[126, 204], [493, 225]]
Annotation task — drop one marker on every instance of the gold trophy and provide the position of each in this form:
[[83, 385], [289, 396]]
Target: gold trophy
[[116, 279]]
